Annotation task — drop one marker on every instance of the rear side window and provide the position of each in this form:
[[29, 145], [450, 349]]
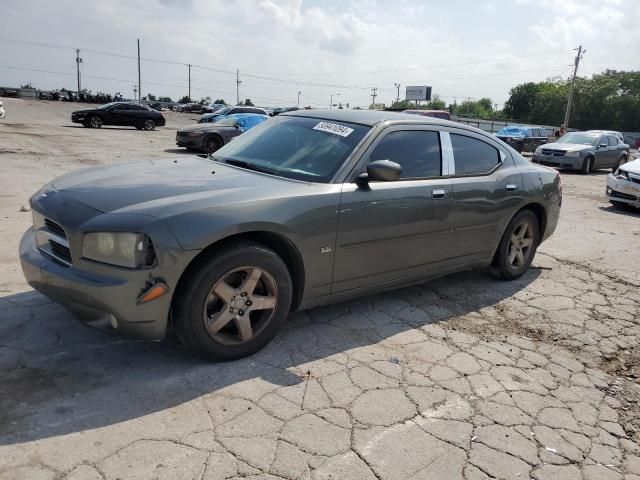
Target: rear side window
[[417, 152], [473, 156], [613, 141]]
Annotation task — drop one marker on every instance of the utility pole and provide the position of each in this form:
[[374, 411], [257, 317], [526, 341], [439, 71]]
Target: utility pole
[[238, 82], [567, 114], [139, 84], [78, 62], [374, 94], [397, 85], [189, 82], [299, 92], [331, 99]]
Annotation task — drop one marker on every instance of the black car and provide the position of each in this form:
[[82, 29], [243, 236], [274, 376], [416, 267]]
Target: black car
[[523, 138], [120, 113]]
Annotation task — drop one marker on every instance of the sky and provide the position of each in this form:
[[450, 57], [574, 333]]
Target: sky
[[462, 48]]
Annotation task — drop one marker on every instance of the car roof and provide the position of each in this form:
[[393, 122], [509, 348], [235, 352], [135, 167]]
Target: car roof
[[247, 114], [371, 117]]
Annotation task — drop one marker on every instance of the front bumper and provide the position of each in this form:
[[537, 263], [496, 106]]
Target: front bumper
[[188, 141], [106, 302], [563, 162], [78, 118], [623, 191]]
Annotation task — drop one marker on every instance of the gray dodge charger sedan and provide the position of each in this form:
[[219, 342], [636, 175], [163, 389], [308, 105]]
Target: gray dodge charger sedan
[[308, 208]]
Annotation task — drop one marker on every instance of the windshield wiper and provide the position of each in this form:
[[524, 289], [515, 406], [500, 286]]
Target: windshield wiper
[[248, 166]]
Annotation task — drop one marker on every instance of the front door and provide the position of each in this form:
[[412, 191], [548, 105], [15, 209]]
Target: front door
[[393, 230]]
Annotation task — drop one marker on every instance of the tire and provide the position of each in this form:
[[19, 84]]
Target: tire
[[621, 205], [210, 144], [216, 318], [587, 165], [507, 263], [149, 124], [95, 122], [621, 161]]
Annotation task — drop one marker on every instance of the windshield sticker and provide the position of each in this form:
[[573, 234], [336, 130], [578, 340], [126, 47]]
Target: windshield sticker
[[334, 128]]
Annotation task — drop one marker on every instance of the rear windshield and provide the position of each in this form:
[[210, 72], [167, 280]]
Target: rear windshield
[[295, 147]]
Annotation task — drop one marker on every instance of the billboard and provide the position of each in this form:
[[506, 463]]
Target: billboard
[[418, 93]]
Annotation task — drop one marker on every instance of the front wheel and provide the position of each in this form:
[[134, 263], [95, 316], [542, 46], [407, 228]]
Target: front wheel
[[517, 247], [149, 124], [621, 161], [233, 302], [95, 122], [587, 165], [211, 144]]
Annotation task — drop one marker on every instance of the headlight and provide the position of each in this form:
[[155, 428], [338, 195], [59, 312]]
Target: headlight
[[538, 150], [132, 250], [573, 154]]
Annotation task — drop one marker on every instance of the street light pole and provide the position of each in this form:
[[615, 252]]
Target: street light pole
[[299, 92], [397, 85], [567, 114], [331, 99]]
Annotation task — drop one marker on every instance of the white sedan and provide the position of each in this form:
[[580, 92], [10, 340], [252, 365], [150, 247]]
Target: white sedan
[[623, 186]]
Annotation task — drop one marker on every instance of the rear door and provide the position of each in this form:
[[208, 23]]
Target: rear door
[[614, 150], [119, 114], [393, 230], [487, 187]]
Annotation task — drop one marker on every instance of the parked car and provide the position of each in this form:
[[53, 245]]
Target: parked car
[[618, 135], [230, 110], [310, 208], [209, 137], [120, 113], [212, 107], [279, 110], [443, 114], [584, 151], [623, 185], [522, 138], [3, 112]]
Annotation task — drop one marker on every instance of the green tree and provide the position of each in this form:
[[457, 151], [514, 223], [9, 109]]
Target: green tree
[[165, 99], [151, 98], [184, 99], [220, 100], [248, 102]]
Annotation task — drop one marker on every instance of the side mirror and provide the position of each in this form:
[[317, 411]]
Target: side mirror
[[603, 145], [381, 170]]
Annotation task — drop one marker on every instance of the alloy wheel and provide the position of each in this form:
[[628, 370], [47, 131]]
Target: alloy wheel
[[240, 305], [149, 125], [96, 122], [520, 245]]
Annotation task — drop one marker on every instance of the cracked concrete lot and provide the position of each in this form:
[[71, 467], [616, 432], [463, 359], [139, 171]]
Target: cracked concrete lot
[[463, 377]]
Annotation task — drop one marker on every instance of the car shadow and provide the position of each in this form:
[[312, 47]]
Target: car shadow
[[180, 150], [625, 210], [59, 377], [107, 128]]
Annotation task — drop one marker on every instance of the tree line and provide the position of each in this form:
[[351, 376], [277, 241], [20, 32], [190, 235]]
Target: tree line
[[609, 100]]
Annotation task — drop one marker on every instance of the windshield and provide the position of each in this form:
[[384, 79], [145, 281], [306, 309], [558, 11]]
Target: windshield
[[225, 121], [578, 138], [519, 131], [223, 110], [108, 105], [295, 147]]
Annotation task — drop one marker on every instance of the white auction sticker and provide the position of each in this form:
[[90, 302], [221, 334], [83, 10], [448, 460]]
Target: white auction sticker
[[334, 128]]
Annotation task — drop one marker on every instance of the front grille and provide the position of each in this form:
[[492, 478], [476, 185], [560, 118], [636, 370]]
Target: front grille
[[60, 252], [52, 240], [55, 228], [634, 178], [553, 153]]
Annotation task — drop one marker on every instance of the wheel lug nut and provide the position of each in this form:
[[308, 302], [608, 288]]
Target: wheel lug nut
[[243, 294], [231, 309], [248, 303], [241, 312]]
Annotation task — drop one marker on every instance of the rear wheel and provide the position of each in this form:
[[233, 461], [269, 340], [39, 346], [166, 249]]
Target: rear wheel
[[587, 165], [149, 124], [621, 161], [211, 144], [95, 122], [234, 302], [517, 247]]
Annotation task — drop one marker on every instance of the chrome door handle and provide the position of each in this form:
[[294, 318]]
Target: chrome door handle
[[511, 187], [439, 193]]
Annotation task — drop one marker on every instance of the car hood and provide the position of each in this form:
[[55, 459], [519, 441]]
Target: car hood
[[569, 147], [152, 187], [88, 110], [203, 127], [632, 167]]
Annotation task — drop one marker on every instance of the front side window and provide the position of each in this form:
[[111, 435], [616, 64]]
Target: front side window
[[416, 151], [613, 141], [473, 156], [302, 148]]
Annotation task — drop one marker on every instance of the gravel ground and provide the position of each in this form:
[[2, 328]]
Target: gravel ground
[[462, 377]]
